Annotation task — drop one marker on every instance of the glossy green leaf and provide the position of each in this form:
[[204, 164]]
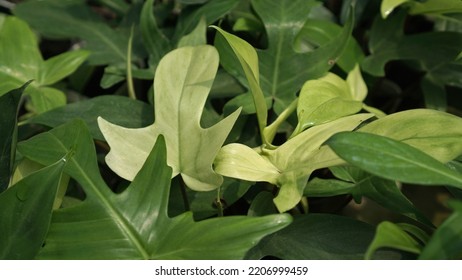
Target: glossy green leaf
[[75, 19], [25, 212], [384, 192], [248, 59], [119, 110], [9, 106], [283, 71], [436, 133], [317, 237], [155, 41], [289, 165], [316, 33], [445, 242], [182, 83], [60, 66], [392, 159], [22, 62], [191, 15], [393, 236], [134, 224]]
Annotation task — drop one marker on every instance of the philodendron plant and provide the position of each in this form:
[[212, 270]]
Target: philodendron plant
[[225, 151]]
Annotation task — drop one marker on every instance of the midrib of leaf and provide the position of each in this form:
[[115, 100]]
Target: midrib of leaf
[[114, 213], [447, 174]]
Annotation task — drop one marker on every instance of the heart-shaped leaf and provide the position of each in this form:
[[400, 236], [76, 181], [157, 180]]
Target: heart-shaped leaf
[[183, 80], [134, 224]]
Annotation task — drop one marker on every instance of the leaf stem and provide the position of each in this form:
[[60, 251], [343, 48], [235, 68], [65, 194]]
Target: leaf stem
[[184, 194], [270, 131], [131, 88]]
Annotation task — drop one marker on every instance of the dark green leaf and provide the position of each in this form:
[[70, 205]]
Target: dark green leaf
[[392, 159], [74, 19], [446, 243], [9, 106], [134, 224], [317, 237], [282, 70], [117, 109], [25, 212]]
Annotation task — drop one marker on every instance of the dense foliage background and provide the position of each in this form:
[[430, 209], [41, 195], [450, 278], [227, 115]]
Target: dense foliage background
[[227, 129]]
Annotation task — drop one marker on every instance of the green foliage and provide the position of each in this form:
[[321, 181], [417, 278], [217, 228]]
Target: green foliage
[[224, 129]]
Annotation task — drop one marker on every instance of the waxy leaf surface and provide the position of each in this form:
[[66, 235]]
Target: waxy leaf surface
[[134, 224]]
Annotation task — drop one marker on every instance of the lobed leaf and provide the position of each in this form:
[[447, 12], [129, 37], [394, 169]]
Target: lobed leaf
[[134, 224], [183, 80]]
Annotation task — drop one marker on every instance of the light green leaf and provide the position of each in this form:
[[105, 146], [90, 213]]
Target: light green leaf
[[391, 159], [355, 81], [61, 66], [324, 100], [436, 133], [134, 224], [393, 236], [22, 62], [388, 6], [248, 59], [183, 80], [289, 164], [25, 212], [239, 161], [445, 243]]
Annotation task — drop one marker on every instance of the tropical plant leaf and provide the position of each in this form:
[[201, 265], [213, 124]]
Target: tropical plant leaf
[[437, 60], [317, 237], [392, 159], [134, 224], [283, 70], [74, 19], [22, 62], [426, 7], [316, 33], [183, 80], [289, 165], [323, 100], [445, 242], [9, 106], [393, 236], [25, 212], [383, 192], [434, 132], [119, 110]]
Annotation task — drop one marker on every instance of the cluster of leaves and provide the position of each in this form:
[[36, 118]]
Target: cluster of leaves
[[224, 156]]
